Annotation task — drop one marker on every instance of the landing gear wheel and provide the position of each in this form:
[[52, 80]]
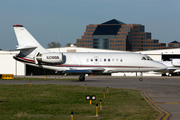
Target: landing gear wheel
[[81, 77], [141, 79]]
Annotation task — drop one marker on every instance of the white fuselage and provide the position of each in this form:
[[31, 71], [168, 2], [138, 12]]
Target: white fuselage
[[108, 62]]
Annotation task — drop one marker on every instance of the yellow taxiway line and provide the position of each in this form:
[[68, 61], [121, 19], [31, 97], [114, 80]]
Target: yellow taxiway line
[[157, 107]]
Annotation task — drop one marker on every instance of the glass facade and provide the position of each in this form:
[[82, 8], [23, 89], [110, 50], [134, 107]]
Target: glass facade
[[100, 43]]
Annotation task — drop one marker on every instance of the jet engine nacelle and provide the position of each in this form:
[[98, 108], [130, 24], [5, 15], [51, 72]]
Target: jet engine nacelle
[[50, 57], [176, 62]]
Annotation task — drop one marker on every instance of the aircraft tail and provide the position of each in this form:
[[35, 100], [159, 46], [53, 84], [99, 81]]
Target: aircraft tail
[[28, 45]]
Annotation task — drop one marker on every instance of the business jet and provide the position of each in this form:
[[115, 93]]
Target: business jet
[[81, 63], [173, 66]]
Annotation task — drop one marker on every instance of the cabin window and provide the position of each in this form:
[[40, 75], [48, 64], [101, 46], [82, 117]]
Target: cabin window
[[113, 59], [87, 60], [91, 60], [108, 60], [104, 60], [121, 60], [117, 60], [96, 60]]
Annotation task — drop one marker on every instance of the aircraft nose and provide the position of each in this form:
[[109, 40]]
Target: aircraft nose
[[162, 66]]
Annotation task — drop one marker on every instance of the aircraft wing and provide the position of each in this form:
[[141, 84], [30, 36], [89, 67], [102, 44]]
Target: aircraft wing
[[78, 71], [85, 71], [171, 70], [177, 70]]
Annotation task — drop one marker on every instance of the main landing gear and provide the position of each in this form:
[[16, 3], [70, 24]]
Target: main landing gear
[[82, 77], [141, 79], [168, 74]]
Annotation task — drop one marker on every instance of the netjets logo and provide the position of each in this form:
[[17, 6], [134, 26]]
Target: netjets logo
[[52, 57]]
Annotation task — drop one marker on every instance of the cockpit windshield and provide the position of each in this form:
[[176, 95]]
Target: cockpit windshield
[[146, 58], [149, 58], [143, 58]]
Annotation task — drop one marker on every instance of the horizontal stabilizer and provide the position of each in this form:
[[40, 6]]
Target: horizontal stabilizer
[[25, 47], [17, 48], [78, 71]]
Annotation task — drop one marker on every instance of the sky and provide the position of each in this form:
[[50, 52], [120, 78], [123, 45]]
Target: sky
[[65, 21]]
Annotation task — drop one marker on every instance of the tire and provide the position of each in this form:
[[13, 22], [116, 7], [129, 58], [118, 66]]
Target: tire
[[81, 78]]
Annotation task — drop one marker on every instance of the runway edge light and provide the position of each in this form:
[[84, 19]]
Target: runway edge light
[[100, 104], [85, 87], [104, 94], [96, 109], [72, 114]]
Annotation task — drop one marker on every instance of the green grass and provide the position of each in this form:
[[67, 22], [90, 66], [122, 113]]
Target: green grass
[[48, 102]]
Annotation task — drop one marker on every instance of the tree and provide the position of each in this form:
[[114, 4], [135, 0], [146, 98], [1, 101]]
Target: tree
[[68, 44], [53, 45]]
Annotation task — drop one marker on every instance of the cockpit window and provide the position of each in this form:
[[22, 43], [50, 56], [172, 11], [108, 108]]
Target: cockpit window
[[146, 58], [149, 58], [143, 58]]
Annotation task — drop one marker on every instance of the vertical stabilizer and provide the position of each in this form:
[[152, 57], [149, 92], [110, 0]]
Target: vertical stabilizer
[[27, 44]]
